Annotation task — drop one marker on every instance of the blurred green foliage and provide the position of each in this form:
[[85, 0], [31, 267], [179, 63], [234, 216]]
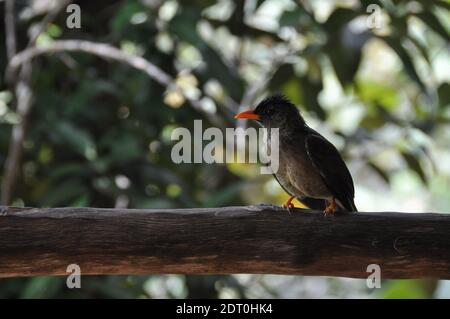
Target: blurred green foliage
[[99, 131]]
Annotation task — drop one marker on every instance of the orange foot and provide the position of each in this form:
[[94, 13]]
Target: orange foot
[[289, 204], [330, 209]]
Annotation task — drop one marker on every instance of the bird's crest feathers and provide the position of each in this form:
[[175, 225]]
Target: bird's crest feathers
[[276, 99]]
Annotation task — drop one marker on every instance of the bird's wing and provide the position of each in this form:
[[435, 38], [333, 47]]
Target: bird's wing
[[335, 174]]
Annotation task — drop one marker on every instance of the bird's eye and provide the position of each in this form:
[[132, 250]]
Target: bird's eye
[[269, 111]]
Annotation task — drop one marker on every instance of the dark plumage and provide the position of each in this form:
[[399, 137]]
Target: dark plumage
[[311, 168]]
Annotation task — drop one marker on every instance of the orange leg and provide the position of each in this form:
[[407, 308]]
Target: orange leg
[[330, 208], [289, 204]]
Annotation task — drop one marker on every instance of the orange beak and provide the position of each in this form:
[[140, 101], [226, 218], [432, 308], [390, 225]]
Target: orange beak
[[247, 115]]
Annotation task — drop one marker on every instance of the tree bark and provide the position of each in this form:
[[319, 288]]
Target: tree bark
[[254, 239]]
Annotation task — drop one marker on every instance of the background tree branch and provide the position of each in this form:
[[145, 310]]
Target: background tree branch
[[107, 51], [10, 29]]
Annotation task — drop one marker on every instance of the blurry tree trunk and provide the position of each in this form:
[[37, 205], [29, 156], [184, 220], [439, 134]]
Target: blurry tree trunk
[[23, 94]]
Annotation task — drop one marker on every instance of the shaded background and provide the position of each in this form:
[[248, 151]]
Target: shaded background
[[97, 132]]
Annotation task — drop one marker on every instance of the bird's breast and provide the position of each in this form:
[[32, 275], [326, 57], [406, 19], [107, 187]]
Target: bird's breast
[[296, 172]]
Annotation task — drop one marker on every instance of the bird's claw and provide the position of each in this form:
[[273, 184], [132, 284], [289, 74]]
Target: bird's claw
[[330, 209], [328, 212], [289, 207]]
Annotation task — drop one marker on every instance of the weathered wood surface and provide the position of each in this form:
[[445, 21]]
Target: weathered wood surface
[[254, 239]]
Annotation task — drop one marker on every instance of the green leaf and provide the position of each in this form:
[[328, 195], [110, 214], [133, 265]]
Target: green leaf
[[338, 19], [283, 74], [67, 170], [310, 89], [444, 95], [384, 176], [414, 164], [123, 15], [42, 287], [184, 25], [82, 201], [6, 97], [124, 149], [344, 46], [405, 289], [290, 18], [421, 48], [406, 60], [433, 22], [225, 195], [77, 138], [345, 64], [442, 3], [61, 194], [379, 93], [54, 31]]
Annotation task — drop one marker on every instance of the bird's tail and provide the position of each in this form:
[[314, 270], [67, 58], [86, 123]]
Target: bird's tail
[[348, 205]]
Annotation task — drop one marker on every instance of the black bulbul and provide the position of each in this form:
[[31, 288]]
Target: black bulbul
[[310, 167]]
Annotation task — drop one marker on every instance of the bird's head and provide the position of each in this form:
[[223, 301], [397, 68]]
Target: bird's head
[[274, 111]]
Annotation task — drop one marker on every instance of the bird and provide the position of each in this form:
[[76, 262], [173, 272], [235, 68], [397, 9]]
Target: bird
[[310, 169]]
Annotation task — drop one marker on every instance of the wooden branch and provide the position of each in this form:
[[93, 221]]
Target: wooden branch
[[254, 239]]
